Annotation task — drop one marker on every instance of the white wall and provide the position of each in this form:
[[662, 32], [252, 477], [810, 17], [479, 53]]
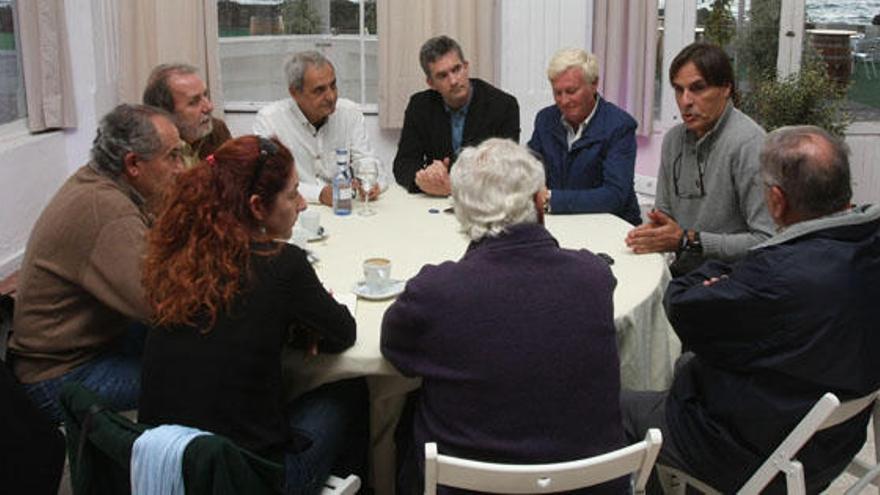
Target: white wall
[[32, 167]]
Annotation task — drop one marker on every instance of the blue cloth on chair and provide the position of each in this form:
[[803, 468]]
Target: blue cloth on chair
[[157, 458]]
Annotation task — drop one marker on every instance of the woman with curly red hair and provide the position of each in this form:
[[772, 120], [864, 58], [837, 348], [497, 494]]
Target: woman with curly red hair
[[226, 297]]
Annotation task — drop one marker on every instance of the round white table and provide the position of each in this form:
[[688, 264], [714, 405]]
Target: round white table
[[413, 230]]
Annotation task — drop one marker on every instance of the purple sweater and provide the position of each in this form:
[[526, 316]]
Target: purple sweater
[[516, 347]]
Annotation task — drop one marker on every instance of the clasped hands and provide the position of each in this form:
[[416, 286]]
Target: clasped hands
[[434, 179], [660, 234]]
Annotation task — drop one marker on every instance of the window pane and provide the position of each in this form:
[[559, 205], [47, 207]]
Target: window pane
[[12, 103], [846, 35], [749, 32], [257, 35]]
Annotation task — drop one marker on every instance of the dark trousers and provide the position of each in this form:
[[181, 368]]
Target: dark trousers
[[330, 427]]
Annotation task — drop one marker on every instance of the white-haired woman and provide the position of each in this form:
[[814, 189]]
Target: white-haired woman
[[515, 342]]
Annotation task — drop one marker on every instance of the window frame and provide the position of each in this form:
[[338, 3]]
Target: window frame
[[367, 108]]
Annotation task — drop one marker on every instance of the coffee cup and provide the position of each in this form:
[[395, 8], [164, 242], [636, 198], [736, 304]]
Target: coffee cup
[[311, 221], [377, 274]]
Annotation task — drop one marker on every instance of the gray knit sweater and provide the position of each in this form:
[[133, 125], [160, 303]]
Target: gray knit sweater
[[712, 184]]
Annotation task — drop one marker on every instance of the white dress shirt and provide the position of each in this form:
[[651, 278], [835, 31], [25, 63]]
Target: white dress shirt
[[314, 150]]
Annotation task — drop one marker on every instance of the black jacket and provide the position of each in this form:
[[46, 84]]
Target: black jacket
[[426, 135], [797, 317]]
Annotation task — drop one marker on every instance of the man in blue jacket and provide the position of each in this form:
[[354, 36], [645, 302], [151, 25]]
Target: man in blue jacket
[[587, 144], [794, 319]]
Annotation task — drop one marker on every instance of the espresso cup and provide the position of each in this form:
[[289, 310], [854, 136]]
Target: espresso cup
[[377, 273], [311, 221]]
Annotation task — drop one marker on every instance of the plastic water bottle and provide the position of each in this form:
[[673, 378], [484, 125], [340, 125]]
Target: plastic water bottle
[[342, 184]]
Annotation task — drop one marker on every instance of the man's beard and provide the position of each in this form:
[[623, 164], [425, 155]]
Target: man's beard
[[190, 134]]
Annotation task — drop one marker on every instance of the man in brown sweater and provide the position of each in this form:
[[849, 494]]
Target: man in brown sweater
[[178, 89], [80, 285]]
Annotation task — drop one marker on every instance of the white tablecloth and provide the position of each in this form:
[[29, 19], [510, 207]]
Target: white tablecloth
[[406, 231]]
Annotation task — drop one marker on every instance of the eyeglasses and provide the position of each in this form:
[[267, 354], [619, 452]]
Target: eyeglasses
[[699, 189], [267, 149]]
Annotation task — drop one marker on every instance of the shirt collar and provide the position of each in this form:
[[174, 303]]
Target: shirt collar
[[300, 117], [463, 110], [715, 130], [575, 134]]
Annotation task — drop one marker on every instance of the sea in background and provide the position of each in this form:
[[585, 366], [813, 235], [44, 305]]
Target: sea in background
[[842, 11], [827, 11]]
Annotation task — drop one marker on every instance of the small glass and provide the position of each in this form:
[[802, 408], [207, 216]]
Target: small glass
[[367, 173]]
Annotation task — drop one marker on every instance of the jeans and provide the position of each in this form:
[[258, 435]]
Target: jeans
[[330, 427], [115, 376]]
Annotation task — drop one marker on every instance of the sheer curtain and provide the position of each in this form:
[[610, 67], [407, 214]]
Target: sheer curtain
[[404, 25], [46, 65], [625, 40], [165, 31]]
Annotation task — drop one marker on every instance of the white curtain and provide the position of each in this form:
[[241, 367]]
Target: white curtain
[[46, 65], [152, 32], [625, 41], [404, 25]]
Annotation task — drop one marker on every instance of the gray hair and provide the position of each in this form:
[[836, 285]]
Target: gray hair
[[296, 65], [126, 129], [158, 93], [811, 167], [567, 58], [493, 187], [435, 48]]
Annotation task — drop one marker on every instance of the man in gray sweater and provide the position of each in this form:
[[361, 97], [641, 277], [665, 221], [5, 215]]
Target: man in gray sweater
[[709, 203]]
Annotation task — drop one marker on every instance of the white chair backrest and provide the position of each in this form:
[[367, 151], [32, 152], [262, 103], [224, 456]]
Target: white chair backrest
[[827, 412], [341, 486], [636, 459]]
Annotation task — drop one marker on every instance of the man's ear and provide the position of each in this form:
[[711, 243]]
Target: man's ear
[[130, 165], [777, 204], [255, 203], [429, 82]]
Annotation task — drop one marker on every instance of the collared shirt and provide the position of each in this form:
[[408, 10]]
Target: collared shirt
[[575, 134], [457, 119], [314, 149]]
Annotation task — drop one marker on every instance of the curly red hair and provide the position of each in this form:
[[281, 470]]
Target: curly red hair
[[199, 248]]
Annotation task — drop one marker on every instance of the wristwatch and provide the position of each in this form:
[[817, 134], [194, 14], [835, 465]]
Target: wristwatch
[[693, 244]]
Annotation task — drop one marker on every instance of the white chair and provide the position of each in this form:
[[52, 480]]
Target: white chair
[[868, 473], [636, 459], [339, 486], [827, 412]]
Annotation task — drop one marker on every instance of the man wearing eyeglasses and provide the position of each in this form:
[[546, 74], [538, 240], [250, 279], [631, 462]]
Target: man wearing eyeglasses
[[709, 203]]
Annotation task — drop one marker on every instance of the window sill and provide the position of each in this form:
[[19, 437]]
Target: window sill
[[16, 133], [255, 106]]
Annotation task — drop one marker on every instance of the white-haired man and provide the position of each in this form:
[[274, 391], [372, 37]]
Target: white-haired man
[[587, 144], [313, 123], [500, 336]]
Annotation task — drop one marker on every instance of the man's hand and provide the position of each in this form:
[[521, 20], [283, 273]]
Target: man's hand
[[660, 234], [326, 196], [434, 180]]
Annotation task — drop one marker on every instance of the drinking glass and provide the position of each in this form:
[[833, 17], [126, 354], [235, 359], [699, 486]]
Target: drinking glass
[[367, 172]]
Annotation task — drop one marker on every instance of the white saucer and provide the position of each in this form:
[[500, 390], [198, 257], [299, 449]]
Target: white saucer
[[393, 288], [313, 236]]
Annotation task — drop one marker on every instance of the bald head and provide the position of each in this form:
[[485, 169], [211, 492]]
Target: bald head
[[810, 167]]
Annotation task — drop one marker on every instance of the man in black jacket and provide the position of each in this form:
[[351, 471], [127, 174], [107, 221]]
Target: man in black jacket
[[797, 317], [457, 111]]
